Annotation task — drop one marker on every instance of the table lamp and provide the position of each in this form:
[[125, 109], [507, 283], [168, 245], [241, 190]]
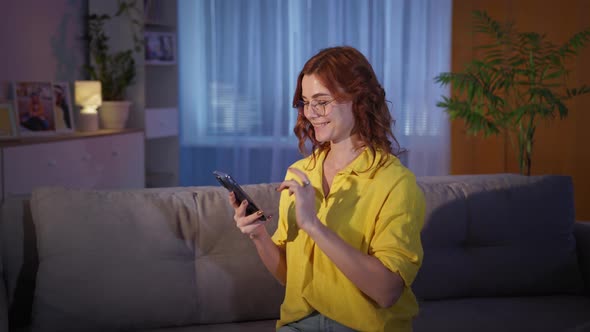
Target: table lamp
[[89, 97]]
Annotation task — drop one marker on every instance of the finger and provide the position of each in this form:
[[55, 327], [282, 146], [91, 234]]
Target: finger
[[248, 220], [240, 211], [249, 227], [232, 200], [288, 184], [300, 174], [291, 185]]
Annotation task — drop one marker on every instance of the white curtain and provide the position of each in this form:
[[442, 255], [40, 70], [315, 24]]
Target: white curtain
[[239, 60]]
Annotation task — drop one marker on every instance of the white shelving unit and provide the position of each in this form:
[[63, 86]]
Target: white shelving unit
[[161, 99], [154, 95]]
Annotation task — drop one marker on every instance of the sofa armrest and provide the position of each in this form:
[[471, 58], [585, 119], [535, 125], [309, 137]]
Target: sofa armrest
[[582, 234], [3, 302]]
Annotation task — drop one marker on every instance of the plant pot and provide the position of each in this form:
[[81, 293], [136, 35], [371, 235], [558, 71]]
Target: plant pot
[[114, 114]]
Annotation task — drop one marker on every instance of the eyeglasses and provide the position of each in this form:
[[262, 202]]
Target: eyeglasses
[[318, 106]]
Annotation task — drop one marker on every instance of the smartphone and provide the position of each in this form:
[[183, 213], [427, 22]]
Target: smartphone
[[231, 185]]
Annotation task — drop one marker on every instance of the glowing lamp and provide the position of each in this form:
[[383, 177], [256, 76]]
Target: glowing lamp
[[89, 98]]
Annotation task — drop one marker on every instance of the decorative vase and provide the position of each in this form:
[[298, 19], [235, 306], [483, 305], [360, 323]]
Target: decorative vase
[[114, 114]]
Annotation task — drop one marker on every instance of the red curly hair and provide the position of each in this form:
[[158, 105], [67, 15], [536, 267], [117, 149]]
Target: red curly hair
[[350, 77]]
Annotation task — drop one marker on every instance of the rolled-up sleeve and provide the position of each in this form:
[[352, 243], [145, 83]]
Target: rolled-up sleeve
[[396, 241]]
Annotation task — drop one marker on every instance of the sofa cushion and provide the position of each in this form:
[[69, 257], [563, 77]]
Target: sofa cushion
[[255, 326], [498, 235], [232, 283], [508, 314], [144, 259], [113, 260]]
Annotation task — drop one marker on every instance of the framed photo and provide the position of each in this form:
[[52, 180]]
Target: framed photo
[[34, 104], [62, 107], [7, 121], [160, 48]]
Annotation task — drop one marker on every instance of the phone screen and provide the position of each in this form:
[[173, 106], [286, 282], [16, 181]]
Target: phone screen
[[231, 185]]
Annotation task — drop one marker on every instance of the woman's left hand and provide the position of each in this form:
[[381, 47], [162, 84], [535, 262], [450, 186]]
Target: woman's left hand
[[304, 199]]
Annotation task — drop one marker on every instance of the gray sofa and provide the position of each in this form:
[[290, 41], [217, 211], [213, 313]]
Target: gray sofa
[[502, 253]]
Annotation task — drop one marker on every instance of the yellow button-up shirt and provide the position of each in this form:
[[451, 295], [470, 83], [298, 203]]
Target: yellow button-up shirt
[[377, 209]]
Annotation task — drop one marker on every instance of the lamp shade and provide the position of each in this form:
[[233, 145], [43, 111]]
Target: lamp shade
[[88, 95]]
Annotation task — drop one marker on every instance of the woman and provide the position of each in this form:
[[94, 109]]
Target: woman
[[347, 246], [35, 118]]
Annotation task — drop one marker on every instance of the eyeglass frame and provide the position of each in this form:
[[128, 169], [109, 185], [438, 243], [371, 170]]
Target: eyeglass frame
[[301, 105]]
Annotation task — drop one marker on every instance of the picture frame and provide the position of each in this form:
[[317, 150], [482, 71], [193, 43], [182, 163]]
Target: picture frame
[[63, 111], [160, 48], [8, 129], [34, 104]]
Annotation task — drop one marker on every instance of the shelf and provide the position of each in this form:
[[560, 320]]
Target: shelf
[[28, 140], [150, 63], [158, 25]]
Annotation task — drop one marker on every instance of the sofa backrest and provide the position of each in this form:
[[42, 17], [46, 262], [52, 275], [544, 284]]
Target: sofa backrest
[[501, 234]]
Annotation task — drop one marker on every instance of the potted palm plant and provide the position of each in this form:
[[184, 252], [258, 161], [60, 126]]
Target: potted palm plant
[[115, 70], [519, 78]]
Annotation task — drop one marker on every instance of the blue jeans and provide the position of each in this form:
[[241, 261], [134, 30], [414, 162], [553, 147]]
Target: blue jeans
[[315, 322]]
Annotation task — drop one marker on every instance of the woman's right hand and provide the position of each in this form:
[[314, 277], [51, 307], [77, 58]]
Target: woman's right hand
[[249, 225]]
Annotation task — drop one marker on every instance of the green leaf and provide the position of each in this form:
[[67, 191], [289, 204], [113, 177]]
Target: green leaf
[[575, 43], [555, 74], [584, 89], [562, 109]]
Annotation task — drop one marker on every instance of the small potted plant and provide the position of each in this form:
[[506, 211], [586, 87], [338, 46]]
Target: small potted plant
[[115, 70], [519, 78]]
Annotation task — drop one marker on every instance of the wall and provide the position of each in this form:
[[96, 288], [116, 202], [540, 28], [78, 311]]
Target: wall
[[41, 40], [561, 146]]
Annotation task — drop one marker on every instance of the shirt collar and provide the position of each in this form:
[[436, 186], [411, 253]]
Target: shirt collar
[[364, 165]]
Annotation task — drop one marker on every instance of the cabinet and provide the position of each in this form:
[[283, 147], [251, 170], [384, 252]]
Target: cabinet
[[105, 159], [161, 95]]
